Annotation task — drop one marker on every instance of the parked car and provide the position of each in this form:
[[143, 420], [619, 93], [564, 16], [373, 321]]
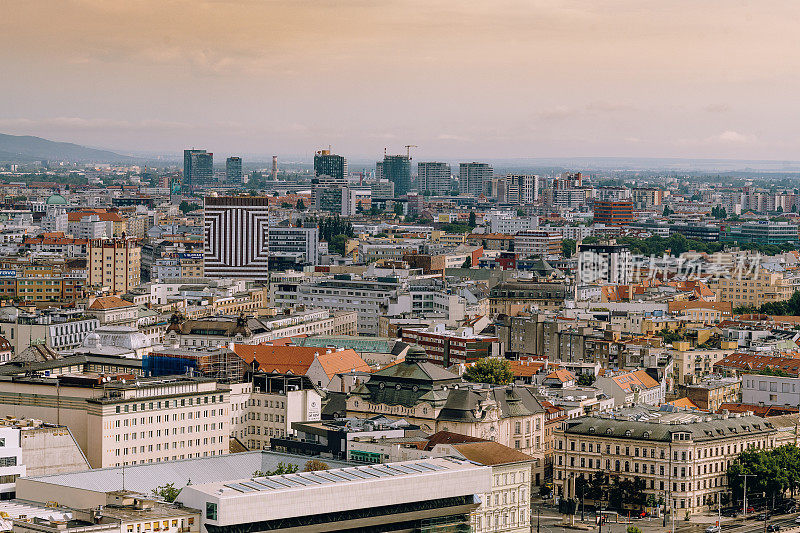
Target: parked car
[[713, 529], [732, 513], [773, 527], [797, 520], [762, 516]]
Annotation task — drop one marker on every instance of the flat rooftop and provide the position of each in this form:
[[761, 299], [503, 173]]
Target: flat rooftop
[[143, 478], [340, 477]]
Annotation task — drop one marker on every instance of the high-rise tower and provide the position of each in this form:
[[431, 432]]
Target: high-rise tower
[[198, 167], [233, 170], [434, 177], [473, 177], [397, 169]]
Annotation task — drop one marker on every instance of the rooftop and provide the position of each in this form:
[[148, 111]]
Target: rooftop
[[145, 477]]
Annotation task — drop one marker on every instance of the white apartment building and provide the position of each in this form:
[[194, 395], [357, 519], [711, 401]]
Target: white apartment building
[[511, 224], [355, 200], [759, 389], [297, 245], [61, 335], [370, 298], [11, 464], [127, 421], [267, 406]]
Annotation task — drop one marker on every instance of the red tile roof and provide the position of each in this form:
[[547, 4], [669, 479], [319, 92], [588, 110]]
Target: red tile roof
[[297, 359], [745, 362]]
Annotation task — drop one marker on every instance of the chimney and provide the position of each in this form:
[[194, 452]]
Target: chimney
[[274, 167]]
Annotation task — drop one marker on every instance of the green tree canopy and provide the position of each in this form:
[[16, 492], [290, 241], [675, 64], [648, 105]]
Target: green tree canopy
[[490, 370], [282, 468], [773, 471], [167, 493], [568, 247], [337, 244], [186, 207]]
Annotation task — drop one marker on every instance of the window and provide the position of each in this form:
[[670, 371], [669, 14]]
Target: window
[[211, 511]]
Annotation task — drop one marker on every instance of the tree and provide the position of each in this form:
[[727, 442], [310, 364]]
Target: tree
[[667, 211], [467, 263], [567, 506], [490, 370], [315, 464], [167, 493], [186, 207], [398, 209], [585, 380], [301, 205], [568, 247], [456, 228], [520, 212], [286, 205], [472, 220], [774, 471], [282, 468], [337, 244]]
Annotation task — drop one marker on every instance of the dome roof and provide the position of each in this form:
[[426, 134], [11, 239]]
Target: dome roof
[[56, 199]]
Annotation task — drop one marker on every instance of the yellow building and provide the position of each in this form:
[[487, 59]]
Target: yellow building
[[756, 289], [113, 264], [448, 239]]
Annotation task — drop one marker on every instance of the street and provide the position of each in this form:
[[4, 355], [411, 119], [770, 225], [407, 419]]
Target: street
[[550, 522]]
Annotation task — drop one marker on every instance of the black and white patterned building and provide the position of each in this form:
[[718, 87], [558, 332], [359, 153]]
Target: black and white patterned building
[[236, 237]]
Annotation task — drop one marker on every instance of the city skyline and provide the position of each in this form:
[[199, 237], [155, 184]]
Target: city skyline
[[499, 80]]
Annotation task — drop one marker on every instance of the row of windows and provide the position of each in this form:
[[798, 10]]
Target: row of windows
[[157, 447], [175, 431], [158, 419], [167, 404], [167, 458]]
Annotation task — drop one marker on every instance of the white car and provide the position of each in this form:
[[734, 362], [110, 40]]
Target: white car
[[797, 520], [713, 529]]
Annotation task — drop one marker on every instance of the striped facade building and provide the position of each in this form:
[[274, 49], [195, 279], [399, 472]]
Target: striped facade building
[[236, 237]]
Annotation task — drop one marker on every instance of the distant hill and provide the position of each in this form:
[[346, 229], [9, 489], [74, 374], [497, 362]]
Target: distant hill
[[26, 148]]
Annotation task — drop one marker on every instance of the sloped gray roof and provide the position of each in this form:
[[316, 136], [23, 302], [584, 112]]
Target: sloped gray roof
[[146, 477], [700, 428]]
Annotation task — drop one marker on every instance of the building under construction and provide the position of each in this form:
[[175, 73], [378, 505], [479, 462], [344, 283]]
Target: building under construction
[[221, 364]]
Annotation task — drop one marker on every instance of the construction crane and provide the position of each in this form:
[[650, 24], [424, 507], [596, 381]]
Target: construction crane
[[408, 149]]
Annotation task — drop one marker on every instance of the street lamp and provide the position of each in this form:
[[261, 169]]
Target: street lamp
[[744, 495], [583, 489]]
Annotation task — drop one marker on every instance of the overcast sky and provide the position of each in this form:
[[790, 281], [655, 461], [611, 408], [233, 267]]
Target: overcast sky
[[461, 79]]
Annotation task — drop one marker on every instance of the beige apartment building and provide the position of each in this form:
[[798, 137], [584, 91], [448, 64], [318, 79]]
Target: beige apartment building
[[754, 288], [682, 454], [114, 264], [691, 365], [127, 421]]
